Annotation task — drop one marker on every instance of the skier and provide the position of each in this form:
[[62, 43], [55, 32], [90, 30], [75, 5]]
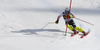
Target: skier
[[71, 24]]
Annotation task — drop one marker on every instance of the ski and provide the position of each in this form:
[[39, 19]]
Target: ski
[[73, 34], [85, 35]]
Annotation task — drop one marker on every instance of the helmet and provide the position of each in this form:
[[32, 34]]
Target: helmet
[[66, 9]]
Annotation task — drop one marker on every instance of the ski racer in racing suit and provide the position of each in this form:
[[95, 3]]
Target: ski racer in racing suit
[[71, 24]]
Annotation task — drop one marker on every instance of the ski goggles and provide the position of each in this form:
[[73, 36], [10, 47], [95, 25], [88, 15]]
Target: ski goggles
[[66, 11]]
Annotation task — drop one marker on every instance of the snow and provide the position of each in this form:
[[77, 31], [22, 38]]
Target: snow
[[24, 25]]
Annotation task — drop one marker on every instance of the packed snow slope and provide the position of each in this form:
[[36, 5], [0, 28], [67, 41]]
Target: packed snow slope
[[24, 25]]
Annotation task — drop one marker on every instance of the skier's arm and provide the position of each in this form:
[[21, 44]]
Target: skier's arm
[[71, 15], [57, 21], [60, 16]]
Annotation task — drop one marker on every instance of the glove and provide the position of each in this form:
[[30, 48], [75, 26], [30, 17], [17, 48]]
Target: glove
[[73, 16], [57, 21]]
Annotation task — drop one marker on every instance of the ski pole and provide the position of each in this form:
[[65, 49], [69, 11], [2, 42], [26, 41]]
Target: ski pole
[[85, 21], [51, 22], [47, 24]]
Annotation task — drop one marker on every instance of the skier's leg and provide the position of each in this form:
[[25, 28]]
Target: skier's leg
[[72, 26], [80, 30], [71, 22], [72, 29], [69, 27]]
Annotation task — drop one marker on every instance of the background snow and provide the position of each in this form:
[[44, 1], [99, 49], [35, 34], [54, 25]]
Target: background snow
[[21, 22]]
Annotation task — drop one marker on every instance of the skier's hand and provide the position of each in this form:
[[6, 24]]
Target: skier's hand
[[73, 16], [57, 21]]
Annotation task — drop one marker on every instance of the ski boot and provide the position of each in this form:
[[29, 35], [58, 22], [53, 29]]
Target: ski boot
[[84, 33], [75, 32]]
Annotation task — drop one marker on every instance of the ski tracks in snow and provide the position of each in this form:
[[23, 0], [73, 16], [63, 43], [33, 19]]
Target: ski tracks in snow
[[7, 25]]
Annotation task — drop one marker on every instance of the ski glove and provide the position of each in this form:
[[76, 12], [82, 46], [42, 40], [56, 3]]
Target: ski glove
[[57, 21]]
